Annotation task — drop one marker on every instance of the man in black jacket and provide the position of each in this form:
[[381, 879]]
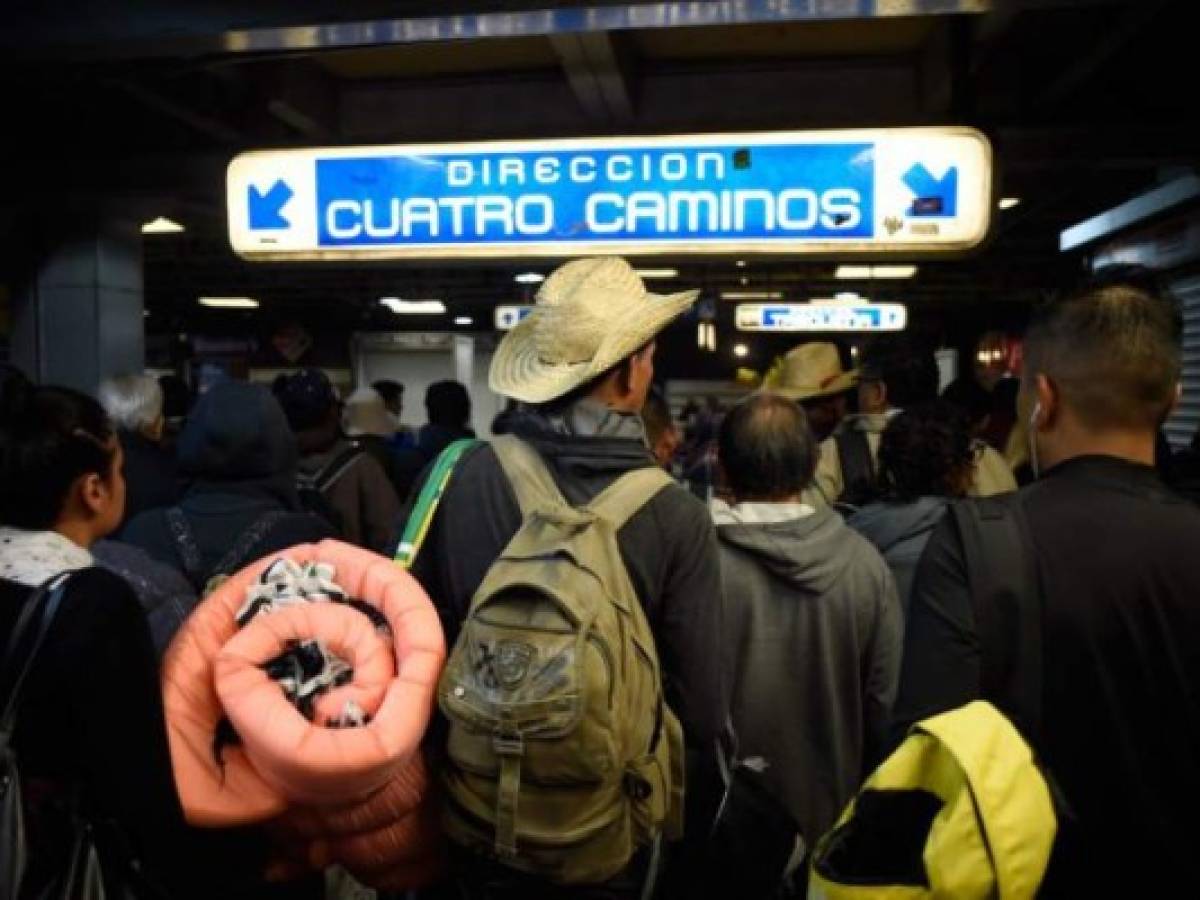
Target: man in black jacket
[[1118, 587], [583, 363]]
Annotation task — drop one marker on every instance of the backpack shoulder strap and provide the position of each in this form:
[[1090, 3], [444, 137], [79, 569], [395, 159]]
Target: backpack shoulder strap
[[245, 543], [527, 473], [37, 613], [1006, 602], [184, 540], [854, 454], [423, 511], [622, 499], [337, 467]]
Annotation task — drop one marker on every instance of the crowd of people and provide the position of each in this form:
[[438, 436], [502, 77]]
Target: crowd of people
[[816, 571]]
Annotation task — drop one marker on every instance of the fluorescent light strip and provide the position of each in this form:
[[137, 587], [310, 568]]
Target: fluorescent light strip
[[657, 273], [864, 272], [530, 278], [752, 295], [162, 225], [229, 302], [464, 320], [413, 307], [1009, 202]]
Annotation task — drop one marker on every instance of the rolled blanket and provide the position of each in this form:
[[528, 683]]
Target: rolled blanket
[[362, 790]]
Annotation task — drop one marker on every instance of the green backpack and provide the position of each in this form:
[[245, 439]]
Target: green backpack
[[562, 757]]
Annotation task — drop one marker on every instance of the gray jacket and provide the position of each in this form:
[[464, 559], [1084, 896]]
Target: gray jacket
[[900, 532], [812, 651]]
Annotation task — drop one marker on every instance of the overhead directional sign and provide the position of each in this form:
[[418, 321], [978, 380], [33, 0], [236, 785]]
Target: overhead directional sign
[[821, 317], [507, 317], [905, 190]]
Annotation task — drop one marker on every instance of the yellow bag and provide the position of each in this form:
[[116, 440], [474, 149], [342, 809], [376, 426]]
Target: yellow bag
[[959, 810]]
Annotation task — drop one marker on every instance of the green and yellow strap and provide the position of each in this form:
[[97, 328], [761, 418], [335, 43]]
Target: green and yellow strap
[[427, 502]]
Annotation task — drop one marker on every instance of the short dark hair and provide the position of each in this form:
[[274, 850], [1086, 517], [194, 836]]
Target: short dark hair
[[448, 403], [1112, 347], [970, 397], [569, 399], [656, 415], [908, 370], [924, 452], [49, 437], [766, 448], [308, 399], [391, 391]]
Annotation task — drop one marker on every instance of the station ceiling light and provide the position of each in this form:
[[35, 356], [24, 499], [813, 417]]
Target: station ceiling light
[[413, 307], [229, 302], [162, 225], [741, 264], [464, 320], [1009, 202], [530, 278], [751, 295], [741, 350], [848, 272], [657, 273]]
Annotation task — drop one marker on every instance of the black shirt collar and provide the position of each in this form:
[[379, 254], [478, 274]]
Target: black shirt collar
[[1110, 470]]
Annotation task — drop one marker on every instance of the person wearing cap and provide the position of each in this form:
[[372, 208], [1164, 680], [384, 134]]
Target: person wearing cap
[[812, 375], [581, 365], [893, 374], [349, 480]]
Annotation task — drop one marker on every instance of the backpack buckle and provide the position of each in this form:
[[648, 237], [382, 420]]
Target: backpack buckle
[[637, 787], [508, 745]]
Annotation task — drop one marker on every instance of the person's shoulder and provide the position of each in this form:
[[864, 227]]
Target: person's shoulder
[[145, 527], [674, 503], [96, 596]]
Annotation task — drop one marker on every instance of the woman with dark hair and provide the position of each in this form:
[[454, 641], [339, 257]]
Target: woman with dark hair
[[89, 727], [242, 502], [926, 460]]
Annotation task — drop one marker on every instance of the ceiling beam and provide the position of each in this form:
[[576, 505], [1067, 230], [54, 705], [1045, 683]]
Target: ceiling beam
[[599, 68], [105, 29], [1118, 36], [303, 96], [205, 124]]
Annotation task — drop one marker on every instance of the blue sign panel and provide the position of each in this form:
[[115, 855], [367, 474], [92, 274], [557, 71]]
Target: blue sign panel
[[838, 192], [761, 193], [821, 317]]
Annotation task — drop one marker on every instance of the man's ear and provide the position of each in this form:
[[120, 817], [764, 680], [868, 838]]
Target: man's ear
[[1049, 402], [1178, 398]]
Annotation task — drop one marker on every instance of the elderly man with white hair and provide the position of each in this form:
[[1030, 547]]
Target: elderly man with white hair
[[135, 404]]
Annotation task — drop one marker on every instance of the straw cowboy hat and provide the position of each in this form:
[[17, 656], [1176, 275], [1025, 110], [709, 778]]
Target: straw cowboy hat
[[590, 315], [810, 371]]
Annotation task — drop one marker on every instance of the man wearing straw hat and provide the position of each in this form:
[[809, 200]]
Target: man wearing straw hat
[[581, 364], [893, 374], [812, 375]]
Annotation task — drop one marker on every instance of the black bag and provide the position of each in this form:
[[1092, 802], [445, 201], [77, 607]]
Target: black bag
[[1006, 603], [858, 471], [312, 488], [753, 837], [98, 863]]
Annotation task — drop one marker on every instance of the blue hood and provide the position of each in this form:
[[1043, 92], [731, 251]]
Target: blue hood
[[887, 524]]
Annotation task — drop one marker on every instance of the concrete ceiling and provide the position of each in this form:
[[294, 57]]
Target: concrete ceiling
[[140, 116]]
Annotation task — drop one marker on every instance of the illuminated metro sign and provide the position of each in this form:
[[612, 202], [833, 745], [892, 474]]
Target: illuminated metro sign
[[821, 317], [836, 192], [508, 317]]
